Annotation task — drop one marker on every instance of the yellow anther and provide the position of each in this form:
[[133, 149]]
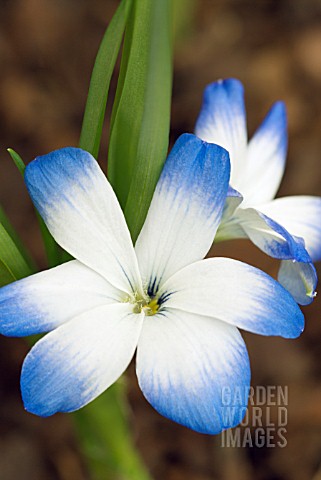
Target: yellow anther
[[152, 307], [143, 303]]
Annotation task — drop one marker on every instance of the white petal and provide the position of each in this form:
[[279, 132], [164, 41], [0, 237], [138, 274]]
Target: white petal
[[82, 212], [266, 234], [185, 365], [301, 216], [266, 157], [185, 210], [233, 201], [44, 301], [300, 279], [222, 120], [236, 293], [271, 237], [274, 240], [230, 226], [75, 363]]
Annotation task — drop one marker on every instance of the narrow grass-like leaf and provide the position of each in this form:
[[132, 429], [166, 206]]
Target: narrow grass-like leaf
[[6, 275], [183, 18], [13, 266], [17, 160], [106, 438], [141, 112], [16, 239], [100, 80]]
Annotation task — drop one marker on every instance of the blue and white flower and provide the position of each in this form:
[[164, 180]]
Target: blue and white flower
[[287, 228], [180, 312]]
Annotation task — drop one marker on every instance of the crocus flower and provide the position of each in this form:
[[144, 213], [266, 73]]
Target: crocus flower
[[180, 312], [287, 228]]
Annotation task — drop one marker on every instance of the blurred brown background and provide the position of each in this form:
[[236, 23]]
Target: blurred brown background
[[47, 49]]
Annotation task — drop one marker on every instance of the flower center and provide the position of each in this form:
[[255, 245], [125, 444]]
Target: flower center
[[150, 306]]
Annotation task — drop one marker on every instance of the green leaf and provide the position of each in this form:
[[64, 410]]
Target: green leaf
[[13, 266], [100, 80], [184, 12], [141, 113], [17, 160], [6, 275], [106, 438], [16, 239], [15, 261]]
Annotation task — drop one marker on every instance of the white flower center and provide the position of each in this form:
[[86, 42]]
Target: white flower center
[[150, 306]]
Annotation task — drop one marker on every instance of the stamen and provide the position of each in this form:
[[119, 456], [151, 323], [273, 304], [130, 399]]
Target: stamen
[[152, 307], [140, 303]]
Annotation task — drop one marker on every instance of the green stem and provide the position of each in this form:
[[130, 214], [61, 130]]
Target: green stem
[[106, 438]]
